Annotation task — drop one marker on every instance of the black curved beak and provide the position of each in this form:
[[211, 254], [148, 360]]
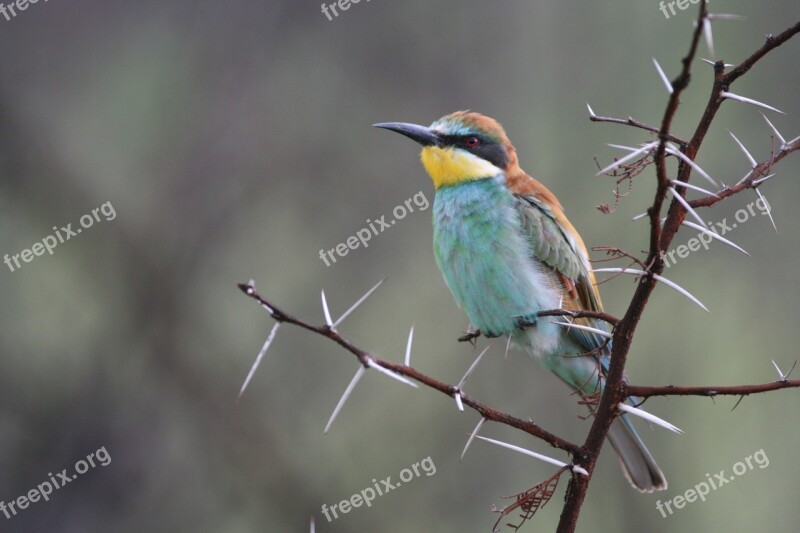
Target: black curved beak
[[423, 135]]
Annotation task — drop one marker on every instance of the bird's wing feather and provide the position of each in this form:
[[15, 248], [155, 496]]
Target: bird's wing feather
[[555, 243]]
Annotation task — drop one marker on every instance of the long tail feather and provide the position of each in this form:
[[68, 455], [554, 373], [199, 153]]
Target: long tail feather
[[638, 465]]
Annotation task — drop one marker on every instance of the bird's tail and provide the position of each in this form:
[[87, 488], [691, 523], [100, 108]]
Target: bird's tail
[[581, 374], [638, 465]]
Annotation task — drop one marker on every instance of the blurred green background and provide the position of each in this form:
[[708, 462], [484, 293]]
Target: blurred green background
[[233, 140]]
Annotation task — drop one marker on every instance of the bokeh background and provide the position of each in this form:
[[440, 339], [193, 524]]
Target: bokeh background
[[233, 140]]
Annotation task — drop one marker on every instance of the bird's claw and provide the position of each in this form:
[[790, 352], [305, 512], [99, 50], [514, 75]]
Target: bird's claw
[[528, 321], [470, 336]]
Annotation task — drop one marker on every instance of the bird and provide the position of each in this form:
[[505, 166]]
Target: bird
[[507, 251]]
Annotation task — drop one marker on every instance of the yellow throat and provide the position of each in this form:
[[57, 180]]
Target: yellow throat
[[451, 166]]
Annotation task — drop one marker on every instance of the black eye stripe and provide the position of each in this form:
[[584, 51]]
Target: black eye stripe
[[494, 153], [489, 150]]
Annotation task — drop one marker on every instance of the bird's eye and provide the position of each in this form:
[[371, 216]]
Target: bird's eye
[[472, 141]]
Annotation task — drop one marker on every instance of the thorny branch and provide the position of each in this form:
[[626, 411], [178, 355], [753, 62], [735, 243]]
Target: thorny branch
[[616, 390], [738, 390], [630, 121], [365, 357], [660, 238]]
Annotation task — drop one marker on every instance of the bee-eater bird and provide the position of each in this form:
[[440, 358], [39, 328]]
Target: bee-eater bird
[[507, 252]]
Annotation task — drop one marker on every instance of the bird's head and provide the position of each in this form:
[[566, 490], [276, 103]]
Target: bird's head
[[460, 147]]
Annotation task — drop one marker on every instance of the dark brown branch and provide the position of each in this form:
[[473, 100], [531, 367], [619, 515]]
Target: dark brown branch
[[630, 121], [489, 413], [722, 83], [737, 390], [660, 238], [624, 330], [769, 45], [761, 169]]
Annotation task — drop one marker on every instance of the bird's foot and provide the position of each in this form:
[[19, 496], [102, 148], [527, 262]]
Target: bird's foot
[[470, 336], [527, 321]]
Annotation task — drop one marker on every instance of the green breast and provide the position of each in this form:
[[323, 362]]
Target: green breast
[[486, 260]]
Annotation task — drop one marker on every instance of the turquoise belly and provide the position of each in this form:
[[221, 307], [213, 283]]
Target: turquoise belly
[[486, 260]]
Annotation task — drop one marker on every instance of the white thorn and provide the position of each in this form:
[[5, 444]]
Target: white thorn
[[402, 379], [677, 153], [251, 290], [708, 35], [459, 403], [759, 181], [584, 328], [681, 200], [408, 346], [535, 455], [580, 470], [325, 309], [622, 147], [663, 76], [642, 215], [347, 391], [750, 101], [676, 183], [725, 16], [786, 376], [471, 368], [781, 375], [312, 530], [747, 175], [260, 356], [726, 65], [714, 235], [508, 345], [681, 290], [769, 209], [591, 112], [472, 437], [358, 303], [646, 148], [775, 131], [662, 279], [649, 417]]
